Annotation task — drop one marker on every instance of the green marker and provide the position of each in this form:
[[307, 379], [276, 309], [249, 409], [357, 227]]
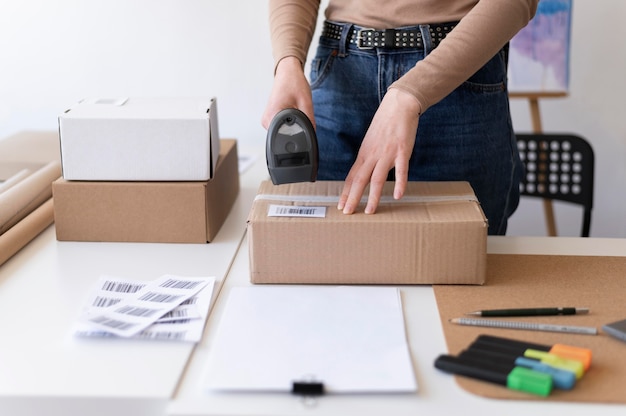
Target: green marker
[[511, 376], [575, 366]]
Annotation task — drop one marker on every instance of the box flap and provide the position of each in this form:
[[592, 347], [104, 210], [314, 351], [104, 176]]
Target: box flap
[[214, 135], [140, 108]]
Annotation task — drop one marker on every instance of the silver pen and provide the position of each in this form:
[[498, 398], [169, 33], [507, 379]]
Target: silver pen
[[529, 326]]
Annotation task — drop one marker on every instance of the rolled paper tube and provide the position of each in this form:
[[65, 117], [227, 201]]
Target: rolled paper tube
[[27, 229], [22, 198]]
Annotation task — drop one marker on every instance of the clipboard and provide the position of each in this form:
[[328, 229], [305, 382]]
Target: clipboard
[[345, 339]]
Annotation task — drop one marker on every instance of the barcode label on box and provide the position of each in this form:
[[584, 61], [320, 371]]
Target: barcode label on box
[[296, 211]]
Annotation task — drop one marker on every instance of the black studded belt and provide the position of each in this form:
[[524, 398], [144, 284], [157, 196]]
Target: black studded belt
[[365, 38]]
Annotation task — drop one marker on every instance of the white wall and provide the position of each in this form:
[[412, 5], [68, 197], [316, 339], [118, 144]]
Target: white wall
[[53, 53], [594, 109]]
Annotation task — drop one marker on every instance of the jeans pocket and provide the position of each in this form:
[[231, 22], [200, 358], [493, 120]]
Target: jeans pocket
[[321, 65], [491, 78]]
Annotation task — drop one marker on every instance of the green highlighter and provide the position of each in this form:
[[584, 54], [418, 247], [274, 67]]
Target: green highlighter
[[526, 350], [511, 376]]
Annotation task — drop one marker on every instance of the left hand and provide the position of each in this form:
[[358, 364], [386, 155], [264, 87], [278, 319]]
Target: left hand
[[388, 143]]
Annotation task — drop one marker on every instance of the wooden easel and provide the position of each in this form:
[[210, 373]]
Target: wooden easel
[[533, 101]]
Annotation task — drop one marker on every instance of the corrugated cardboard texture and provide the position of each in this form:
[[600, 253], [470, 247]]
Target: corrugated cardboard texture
[[405, 242], [163, 212], [536, 281]]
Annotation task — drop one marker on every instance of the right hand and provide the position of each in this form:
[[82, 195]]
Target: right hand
[[290, 90]]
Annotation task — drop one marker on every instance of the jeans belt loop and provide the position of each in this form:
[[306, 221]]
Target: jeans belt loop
[[426, 38], [344, 39]]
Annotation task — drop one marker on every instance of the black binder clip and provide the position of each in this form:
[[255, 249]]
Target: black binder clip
[[308, 390]]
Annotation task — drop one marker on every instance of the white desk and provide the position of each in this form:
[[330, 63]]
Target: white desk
[[438, 393], [44, 370]]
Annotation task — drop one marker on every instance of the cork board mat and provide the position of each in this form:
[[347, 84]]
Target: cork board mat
[[522, 281]]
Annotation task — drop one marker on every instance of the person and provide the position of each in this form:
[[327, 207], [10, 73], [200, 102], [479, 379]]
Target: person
[[439, 64]]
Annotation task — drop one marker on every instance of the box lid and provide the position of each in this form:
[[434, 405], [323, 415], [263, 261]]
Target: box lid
[[140, 139], [141, 108]]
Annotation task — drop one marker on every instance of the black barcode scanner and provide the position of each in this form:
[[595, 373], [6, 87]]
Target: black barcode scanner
[[291, 148]]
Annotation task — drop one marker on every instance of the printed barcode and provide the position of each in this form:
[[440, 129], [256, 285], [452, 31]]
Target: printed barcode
[[176, 313], [112, 323], [134, 311], [159, 297], [180, 284], [190, 301], [163, 335], [103, 302], [110, 286], [295, 211], [175, 322], [91, 333]]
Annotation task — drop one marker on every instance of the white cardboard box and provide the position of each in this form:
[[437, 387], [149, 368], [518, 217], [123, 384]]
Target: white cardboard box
[[140, 139]]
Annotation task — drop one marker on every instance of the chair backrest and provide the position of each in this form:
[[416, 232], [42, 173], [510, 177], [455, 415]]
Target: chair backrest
[[559, 167]]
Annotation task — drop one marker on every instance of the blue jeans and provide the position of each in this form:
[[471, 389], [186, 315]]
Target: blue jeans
[[468, 136]]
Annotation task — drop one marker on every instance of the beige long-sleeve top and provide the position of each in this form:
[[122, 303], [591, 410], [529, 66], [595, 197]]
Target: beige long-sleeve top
[[485, 27]]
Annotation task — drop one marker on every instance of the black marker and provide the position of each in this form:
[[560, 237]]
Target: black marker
[[582, 355], [515, 378], [562, 379]]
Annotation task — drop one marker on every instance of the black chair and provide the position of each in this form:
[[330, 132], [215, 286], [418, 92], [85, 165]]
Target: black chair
[[559, 167]]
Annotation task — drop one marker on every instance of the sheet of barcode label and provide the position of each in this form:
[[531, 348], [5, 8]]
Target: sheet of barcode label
[[169, 308]]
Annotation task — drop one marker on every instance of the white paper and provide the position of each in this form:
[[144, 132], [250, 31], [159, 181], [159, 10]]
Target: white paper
[[184, 322], [351, 339]]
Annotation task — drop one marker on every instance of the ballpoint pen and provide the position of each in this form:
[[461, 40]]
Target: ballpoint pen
[[530, 312]]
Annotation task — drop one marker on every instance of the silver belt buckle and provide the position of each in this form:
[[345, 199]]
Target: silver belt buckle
[[360, 39]]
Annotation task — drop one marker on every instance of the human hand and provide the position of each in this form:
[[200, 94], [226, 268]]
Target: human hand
[[388, 143], [290, 90]]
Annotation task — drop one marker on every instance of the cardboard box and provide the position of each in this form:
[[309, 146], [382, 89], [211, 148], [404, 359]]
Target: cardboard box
[[437, 233], [159, 212], [140, 139]]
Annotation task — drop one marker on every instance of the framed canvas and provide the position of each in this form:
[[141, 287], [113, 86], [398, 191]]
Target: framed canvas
[[539, 53]]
